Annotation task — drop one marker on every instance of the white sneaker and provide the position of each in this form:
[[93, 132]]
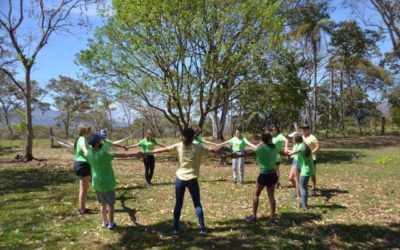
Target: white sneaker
[[112, 226], [104, 225]]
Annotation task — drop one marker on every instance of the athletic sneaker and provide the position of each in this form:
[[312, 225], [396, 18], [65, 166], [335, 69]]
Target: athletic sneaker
[[272, 221], [301, 206], [104, 225], [203, 232], [112, 226], [251, 218], [175, 232], [278, 185]]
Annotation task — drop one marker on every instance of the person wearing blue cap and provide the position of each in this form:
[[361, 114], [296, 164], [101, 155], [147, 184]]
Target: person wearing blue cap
[[107, 144], [103, 178]]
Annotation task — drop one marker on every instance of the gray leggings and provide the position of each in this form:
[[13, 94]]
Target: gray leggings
[[238, 164]]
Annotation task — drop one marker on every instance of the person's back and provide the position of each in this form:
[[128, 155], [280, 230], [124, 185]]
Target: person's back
[[306, 163], [103, 178], [266, 157], [189, 157]]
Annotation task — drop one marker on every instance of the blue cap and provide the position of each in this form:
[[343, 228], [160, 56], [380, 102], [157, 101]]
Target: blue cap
[[93, 139], [103, 133]]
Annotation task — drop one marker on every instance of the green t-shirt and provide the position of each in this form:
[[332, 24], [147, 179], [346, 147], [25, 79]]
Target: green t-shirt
[[279, 141], [107, 144], [266, 157], [189, 158], [306, 164], [79, 155], [238, 143], [199, 140], [148, 145], [103, 178], [295, 148]]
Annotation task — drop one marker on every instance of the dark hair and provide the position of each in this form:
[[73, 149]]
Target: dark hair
[[267, 139], [197, 132], [278, 131], [299, 139], [188, 136]]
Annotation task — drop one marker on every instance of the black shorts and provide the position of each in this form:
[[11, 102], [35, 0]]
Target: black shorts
[[267, 179], [82, 168]]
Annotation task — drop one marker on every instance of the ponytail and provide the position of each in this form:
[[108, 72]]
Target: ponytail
[[308, 150]]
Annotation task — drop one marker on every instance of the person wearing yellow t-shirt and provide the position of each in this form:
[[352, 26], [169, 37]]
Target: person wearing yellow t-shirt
[[187, 174], [238, 144], [148, 144], [313, 143]]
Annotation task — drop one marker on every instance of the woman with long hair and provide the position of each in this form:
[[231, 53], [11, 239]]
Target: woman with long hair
[[307, 168], [82, 167], [281, 143], [148, 144], [187, 174], [265, 154]]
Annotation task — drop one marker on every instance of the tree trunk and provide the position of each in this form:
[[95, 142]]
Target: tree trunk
[[383, 125], [28, 156], [9, 126], [358, 124], [330, 125], [214, 122], [315, 90], [222, 121], [342, 127]]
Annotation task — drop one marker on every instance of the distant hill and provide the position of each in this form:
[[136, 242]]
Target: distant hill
[[48, 118]]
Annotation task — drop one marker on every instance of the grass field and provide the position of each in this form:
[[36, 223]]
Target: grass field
[[357, 207]]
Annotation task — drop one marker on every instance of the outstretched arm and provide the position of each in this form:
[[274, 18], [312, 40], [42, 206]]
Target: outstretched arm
[[131, 146], [136, 155], [222, 143], [248, 154], [251, 145], [158, 151], [211, 143]]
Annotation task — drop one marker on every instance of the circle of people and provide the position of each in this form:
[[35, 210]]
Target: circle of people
[[93, 159]]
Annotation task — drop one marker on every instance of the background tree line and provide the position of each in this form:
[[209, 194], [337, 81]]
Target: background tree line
[[213, 63]]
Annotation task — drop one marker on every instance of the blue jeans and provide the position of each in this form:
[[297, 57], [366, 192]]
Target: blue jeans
[[304, 190], [180, 187]]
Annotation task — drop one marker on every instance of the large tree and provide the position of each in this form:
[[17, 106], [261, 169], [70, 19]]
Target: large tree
[[71, 98], [309, 22], [26, 28], [182, 57]]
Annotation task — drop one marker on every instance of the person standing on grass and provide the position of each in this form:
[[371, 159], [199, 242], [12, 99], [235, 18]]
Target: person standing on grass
[[103, 180], [107, 144], [281, 143], [313, 143], [307, 168], [295, 169], [187, 174], [266, 155], [82, 167], [238, 144], [148, 144]]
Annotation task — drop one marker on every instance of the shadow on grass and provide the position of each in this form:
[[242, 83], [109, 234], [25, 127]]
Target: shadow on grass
[[328, 193], [338, 156], [33, 179], [293, 230]]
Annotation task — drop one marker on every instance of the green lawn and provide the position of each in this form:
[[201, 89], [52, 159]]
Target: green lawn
[[357, 207]]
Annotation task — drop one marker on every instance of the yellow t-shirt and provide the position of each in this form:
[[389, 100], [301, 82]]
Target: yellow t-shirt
[[189, 158], [311, 141]]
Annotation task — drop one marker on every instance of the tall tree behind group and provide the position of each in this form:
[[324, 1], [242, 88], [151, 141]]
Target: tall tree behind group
[[182, 56], [26, 28], [309, 22]]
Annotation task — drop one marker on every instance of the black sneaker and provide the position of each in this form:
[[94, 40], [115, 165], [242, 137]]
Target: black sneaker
[[272, 221], [175, 232], [86, 211], [251, 218], [112, 226]]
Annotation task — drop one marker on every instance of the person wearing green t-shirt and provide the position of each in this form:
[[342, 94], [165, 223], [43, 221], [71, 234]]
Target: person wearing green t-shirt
[[307, 169], [238, 144], [200, 140], [295, 169], [314, 145], [148, 144], [108, 144], [188, 170], [82, 167], [103, 178], [281, 143], [266, 155]]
